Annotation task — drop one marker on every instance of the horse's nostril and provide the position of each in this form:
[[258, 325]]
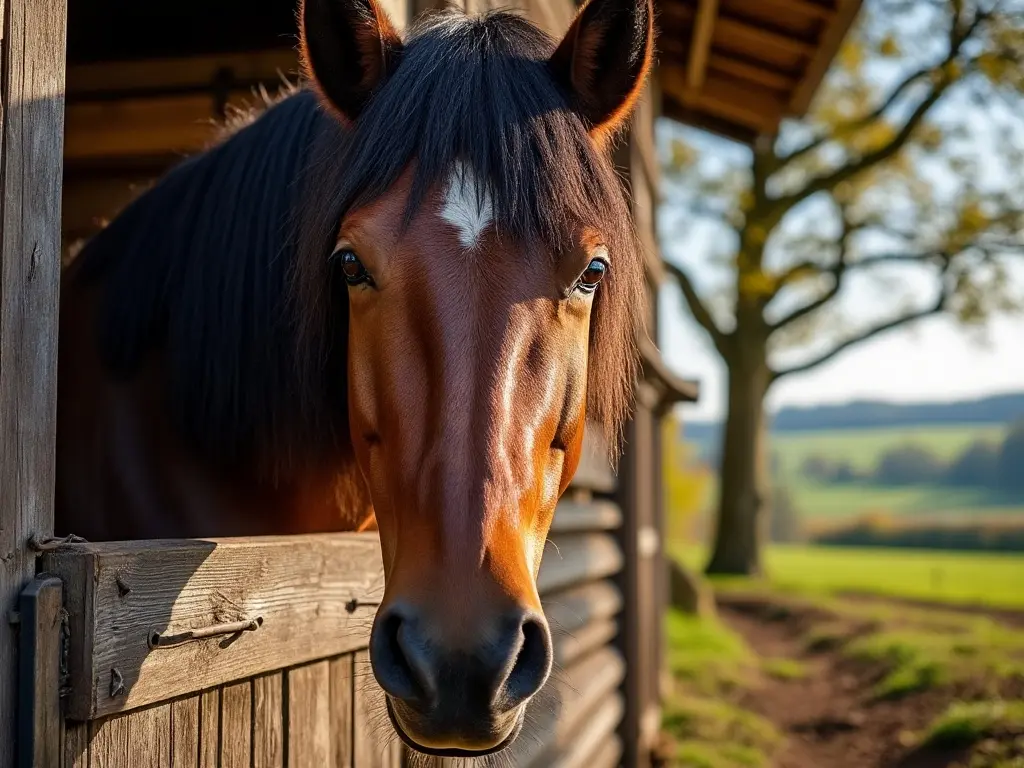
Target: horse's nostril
[[533, 664], [400, 661]]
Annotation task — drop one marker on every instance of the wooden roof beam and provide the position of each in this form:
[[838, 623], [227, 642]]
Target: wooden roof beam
[[700, 43], [831, 39], [724, 98], [806, 7]]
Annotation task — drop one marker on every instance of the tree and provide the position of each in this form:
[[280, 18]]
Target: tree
[[1010, 469], [893, 186], [908, 464]]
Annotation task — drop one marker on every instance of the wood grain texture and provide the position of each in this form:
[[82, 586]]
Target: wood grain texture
[[75, 741], [571, 609], [576, 558], [309, 716], [209, 728], [300, 586], [370, 727], [185, 732], [573, 516], [342, 680], [39, 726], [109, 745], [594, 731], [268, 721], [31, 138], [236, 725]]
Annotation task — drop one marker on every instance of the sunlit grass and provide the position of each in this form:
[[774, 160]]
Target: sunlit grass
[[966, 723], [990, 579]]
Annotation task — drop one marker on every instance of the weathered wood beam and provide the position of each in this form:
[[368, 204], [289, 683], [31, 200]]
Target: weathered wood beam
[[700, 43], [806, 7], [723, 98], [31, 134], [826, 50]]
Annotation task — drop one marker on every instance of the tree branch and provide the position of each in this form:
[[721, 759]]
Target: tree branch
[[861, 122], [957, 38], [697, 307], [864, 335]]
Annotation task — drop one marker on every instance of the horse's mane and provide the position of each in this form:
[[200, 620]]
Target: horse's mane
[[223, 263]]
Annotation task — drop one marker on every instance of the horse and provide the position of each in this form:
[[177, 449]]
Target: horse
[[393, 297]]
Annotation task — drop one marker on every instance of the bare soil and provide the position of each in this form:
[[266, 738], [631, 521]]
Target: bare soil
[[830, 717]]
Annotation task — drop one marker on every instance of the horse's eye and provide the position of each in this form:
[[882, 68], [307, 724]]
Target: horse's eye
[[592, 275], [353, 269]]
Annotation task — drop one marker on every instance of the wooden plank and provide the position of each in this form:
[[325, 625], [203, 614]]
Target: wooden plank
[[76, 744], [700, 43], [140, 127], [209, 728], [369, 723], [594, 473], [571, 609], [268, 721], [149, 736], [570, 697], [572, 516], [593, 734], [185, 732], [236, 725], [726, 98], [822, 57], [31, 134], [309, 716], [39, 718], [570, 646], [301, 587], [576, 558], [84, 80], [109, 746], [342, 679]]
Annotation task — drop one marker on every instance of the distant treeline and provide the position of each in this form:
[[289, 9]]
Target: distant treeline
[[997, 409], [991, 465], [991, 537]]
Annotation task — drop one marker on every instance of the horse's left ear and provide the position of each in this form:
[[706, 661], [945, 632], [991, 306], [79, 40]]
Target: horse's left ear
[[604, 59], [348, 48]]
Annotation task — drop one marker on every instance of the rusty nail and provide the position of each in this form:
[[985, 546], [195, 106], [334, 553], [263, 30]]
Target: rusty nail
[[122, 588], [116, 682]]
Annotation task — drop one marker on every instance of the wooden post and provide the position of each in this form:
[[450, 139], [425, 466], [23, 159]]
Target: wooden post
[[31, 138]]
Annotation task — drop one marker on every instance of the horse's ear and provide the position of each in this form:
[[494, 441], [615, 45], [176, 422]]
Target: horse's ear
[[604, 59], [348, 48]]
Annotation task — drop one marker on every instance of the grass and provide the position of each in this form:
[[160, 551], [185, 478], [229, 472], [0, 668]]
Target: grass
[[964, 724], [990, 579], [784, 669], [919, 650], [709, 662]]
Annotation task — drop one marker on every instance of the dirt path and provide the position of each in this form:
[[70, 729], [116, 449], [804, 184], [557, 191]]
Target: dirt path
[[829, 717]]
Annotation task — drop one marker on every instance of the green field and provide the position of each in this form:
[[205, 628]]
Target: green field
[[820, 503], [995, 580]]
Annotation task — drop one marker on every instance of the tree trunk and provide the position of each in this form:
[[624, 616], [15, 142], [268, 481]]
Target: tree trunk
[[743, 477]]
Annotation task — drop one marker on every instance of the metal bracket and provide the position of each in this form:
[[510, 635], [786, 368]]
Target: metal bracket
[[40, 661]]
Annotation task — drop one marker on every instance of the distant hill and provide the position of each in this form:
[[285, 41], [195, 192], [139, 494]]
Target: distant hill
[[865, 414], [997, 409]]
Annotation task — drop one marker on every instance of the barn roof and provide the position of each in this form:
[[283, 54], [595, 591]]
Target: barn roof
[[737, 67]]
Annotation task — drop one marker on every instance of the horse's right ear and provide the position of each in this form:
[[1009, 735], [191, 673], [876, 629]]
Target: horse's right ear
[[348, 48]]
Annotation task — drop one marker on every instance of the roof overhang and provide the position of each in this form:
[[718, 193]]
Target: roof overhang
[[738, 67]]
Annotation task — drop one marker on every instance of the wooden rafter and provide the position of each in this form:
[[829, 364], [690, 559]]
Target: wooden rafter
[[700, 43]]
